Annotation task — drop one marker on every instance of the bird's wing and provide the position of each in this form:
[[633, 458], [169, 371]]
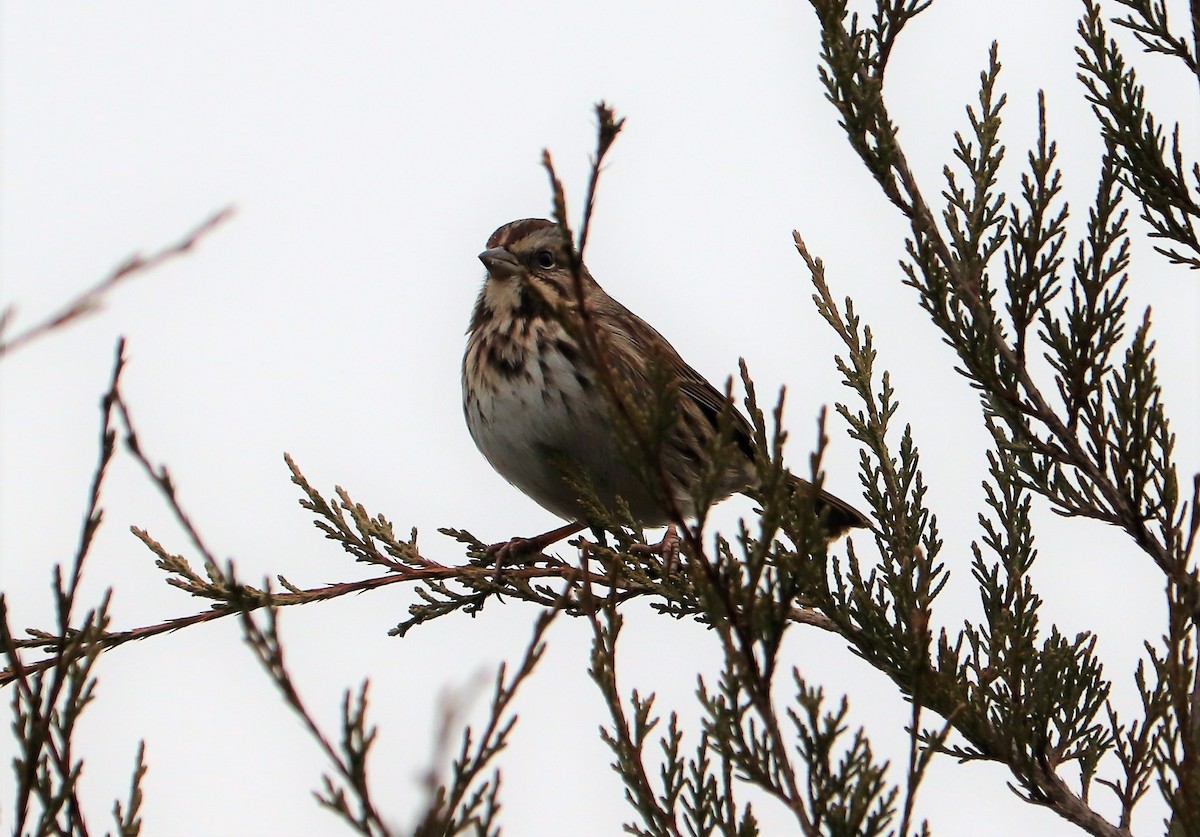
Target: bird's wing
[[638, 339]]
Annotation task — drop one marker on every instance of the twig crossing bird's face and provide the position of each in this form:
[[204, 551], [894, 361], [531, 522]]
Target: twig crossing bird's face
[[529, 272]]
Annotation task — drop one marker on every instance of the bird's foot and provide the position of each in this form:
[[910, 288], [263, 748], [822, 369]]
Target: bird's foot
[[668, 548], [515, 550]]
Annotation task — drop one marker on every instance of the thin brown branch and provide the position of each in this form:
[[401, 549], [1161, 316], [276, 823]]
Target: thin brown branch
[[432, 571], [316, 594], [52, 703], [629, 752], [607, 128], [92, 299], [161, 477], [449, 811], [350, 764], [731, 623], [593, 339]]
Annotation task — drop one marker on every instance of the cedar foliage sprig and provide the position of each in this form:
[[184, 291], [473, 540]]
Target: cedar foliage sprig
[[1167, 189], [1098, 445]]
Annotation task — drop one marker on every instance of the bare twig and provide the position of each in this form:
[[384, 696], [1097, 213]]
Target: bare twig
[[350, 758], [91, 300], [433, 572], [470, 799], [52, 693]]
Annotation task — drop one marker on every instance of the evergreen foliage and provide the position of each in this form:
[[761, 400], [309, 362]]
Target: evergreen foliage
[[1068, 388]]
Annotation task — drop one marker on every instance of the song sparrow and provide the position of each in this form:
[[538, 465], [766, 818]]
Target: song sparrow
[[536, 408]]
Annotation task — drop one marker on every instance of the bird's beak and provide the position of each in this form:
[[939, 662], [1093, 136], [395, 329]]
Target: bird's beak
[[500, 263]]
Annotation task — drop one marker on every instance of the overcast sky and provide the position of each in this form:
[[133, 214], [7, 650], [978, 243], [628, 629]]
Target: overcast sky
[[369, 150]]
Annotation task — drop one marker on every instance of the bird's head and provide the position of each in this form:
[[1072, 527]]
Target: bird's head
[[529, 270]]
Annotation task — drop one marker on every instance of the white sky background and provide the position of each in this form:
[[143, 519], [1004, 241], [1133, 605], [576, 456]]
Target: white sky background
[[370, 150]]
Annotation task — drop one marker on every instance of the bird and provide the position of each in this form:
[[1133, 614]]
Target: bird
[[534, 394]]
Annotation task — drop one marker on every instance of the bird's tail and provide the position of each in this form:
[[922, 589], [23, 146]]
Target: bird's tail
[[836, 515]]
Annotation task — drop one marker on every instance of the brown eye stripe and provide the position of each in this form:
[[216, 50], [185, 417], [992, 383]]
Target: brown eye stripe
[[557, 286]]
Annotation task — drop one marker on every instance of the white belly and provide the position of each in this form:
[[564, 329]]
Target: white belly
[[544, 423]]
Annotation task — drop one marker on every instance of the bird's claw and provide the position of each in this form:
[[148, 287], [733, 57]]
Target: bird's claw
[[513, 551], [668, 548]]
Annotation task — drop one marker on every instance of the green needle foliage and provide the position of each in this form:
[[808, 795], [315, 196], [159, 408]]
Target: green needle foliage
[[1068, 390], [1091, 437]]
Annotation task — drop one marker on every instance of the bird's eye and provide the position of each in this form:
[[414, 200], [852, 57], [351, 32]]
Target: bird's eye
[[545, 259]]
